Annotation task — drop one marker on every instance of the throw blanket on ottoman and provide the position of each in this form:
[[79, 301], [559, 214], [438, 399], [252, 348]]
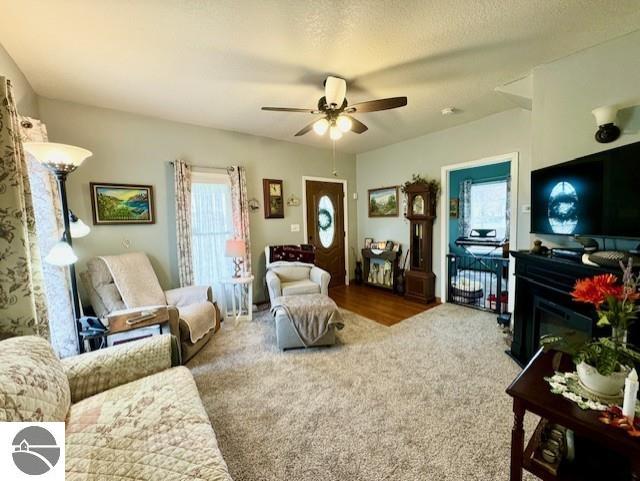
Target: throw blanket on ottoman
[[311, 315]]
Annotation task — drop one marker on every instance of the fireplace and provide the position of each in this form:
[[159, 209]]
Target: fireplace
[[550, 318], [543, 303]]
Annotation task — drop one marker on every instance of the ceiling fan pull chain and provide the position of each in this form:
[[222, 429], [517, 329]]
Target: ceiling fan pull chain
[[335, 171]]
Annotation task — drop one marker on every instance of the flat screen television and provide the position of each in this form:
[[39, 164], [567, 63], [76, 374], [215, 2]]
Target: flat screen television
[[596, 195]]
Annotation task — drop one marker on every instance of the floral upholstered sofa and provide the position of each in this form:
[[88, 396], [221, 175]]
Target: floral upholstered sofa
[[129, 415]]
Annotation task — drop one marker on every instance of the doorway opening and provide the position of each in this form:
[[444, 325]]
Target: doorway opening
[[326, 221], [479, 226]]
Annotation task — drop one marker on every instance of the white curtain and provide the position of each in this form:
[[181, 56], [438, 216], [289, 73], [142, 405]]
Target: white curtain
[[49, 227], [211, 226]]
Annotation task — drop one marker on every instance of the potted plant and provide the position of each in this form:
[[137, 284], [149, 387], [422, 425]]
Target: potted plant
[[603, 364], [433, 184]]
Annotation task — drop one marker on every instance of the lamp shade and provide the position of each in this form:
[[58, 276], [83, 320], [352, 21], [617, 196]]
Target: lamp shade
[[344, 123], [235, 248], [78, 228], [61, 254], [605, 115], [57, 157]]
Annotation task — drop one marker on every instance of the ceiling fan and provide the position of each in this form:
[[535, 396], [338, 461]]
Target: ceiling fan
[[335, 110]]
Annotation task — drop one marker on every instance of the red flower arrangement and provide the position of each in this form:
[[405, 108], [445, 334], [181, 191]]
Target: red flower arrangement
[[596, 290]]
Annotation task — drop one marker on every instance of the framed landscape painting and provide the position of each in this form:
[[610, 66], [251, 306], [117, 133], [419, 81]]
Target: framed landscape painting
[[383, 202], [122, 204]]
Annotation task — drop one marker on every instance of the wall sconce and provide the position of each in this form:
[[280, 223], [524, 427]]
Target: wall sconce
[[607, 131], [254, 205], [293, 201]]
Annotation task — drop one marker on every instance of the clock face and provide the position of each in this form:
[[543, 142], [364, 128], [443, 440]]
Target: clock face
[[274, 189]]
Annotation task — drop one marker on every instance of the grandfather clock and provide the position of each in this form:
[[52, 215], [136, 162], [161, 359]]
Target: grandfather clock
[[420, 281]]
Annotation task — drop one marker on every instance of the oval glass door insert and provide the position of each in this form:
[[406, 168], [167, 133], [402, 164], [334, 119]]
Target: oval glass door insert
[[326, 221]]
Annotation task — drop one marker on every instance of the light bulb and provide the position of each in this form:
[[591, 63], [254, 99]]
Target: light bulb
[[335, 133], [78, 228], [344, 123], [321, 126], [61, 254]]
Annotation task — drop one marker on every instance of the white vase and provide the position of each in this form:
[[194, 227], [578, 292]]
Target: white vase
[[610, 385]]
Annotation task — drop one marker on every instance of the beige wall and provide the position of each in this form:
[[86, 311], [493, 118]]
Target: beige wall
[[566, 91], [497, 134], [26, 98], [559, 128], [135, 149]]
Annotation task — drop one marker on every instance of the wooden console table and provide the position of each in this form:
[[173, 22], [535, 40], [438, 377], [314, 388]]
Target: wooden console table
[[530, 392]]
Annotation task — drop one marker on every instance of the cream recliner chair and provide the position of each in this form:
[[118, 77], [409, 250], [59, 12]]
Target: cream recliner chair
[[184, 304], [286, 278]]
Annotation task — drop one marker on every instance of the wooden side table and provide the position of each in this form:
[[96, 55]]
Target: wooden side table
[[121, 323], [241, 297], [530, 392]]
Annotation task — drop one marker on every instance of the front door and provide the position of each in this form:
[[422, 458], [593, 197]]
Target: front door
[[325, 227]]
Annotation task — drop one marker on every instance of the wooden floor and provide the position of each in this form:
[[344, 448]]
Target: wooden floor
[[377, 304]]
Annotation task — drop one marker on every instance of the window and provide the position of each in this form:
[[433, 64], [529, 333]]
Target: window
[[488, 204], [211, 226]]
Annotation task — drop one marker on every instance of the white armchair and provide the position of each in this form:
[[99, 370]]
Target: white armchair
[[295, 278]]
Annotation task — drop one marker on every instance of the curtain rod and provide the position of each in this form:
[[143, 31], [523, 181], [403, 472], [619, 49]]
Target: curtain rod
[[210, 167]]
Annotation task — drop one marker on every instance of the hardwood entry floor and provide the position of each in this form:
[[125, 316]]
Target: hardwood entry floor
[[377, 304]]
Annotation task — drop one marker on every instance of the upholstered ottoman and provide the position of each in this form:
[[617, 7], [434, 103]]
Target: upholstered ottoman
[[306, 321]]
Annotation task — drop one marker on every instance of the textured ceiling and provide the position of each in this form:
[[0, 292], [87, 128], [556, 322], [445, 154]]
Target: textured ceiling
[[215, 63]]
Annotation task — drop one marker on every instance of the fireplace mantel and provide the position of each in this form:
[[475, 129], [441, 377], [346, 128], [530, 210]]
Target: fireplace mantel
[[550, 279]]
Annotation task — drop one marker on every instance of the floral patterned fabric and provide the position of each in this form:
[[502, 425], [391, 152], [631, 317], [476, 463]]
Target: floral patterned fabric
[[182, 179], [33, 385], [240, 206], [465, 208], [23, 307], [49, 226], [104, 369], [152, 429]]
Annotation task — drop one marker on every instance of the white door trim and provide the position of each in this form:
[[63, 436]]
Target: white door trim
[[345, 216], [444, 215]]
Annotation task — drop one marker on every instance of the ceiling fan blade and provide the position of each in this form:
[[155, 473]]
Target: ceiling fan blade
[[380, 104], [357, 126], [305, 129], [287, 109]]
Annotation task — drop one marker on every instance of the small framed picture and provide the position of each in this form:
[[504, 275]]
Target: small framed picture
[[389, 246], [454, 205], [273, 199], [383, 202], [367, 242], [122, 203]]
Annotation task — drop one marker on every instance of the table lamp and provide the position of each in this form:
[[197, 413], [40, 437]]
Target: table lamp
[[236, 248]]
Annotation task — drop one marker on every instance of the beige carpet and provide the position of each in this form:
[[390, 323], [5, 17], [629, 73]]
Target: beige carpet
[[422, 400]]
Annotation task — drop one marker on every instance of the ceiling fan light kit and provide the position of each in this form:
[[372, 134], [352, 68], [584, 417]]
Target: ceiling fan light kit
[[344, 123], [335, 133], [335, 109], [321, 126]]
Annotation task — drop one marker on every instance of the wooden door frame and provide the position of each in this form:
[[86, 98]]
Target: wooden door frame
[[345, 216], [512, 157]]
